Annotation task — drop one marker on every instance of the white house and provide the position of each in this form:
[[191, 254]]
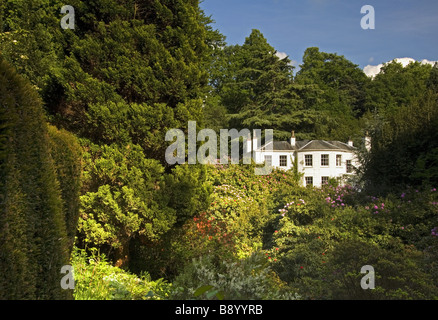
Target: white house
[[318, 160]]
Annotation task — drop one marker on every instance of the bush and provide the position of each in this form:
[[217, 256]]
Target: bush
[[247, 279], [398, 269], [319, 245], [96, 279]]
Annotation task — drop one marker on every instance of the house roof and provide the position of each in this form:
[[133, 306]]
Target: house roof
[[279, 146], [326, 145], [309, 145]]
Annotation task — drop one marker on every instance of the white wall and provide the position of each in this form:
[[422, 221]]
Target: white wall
[[260, 158], [316, 170]]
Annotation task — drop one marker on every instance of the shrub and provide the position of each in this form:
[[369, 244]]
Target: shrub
[[398, 269], [319, 245], [96, 279], [247, 279]]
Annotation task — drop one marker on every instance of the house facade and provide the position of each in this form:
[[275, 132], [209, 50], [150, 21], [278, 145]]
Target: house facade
[[318, 160]]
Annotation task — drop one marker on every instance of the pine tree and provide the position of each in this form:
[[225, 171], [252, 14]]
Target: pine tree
[[341, 83], [256, 86], [334, 87]]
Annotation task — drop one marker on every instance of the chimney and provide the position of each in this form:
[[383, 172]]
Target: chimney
[[367, 142], [350, 142], [293, 140]]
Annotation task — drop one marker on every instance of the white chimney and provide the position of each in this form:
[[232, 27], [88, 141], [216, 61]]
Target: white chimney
[[367, 142], [350, 142], [293, 140]]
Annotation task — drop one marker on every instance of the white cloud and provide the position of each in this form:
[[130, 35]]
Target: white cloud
[[281, 55], [372, 71], [428, 62], [404, 61]]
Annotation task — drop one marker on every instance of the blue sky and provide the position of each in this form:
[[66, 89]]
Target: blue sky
[[403, 28]]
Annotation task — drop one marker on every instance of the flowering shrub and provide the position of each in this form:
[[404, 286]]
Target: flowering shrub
[[231, 226], [262, 189], [319, 243], [241, 205], [339, 196], [313, 240]]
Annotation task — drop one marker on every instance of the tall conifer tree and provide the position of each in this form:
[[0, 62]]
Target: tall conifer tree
[[34, 242]]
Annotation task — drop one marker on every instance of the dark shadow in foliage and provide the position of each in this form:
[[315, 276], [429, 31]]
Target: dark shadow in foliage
[[398, 272], [405, 148]]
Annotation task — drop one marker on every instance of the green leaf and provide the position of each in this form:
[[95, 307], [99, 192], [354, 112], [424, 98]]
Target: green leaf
[[202, 290]]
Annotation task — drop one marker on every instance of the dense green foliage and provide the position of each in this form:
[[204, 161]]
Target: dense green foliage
[[84, 178], [128, 72], [322, 240], [96, 279], [38, 212], [404, 132], [258, 90]]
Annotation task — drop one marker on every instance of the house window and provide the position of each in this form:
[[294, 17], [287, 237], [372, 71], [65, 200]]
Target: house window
[[324, 160], [324, 180], [349, 166], [309, 181], [283, 161], [339, 160], [268, 160], [308, 160]]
